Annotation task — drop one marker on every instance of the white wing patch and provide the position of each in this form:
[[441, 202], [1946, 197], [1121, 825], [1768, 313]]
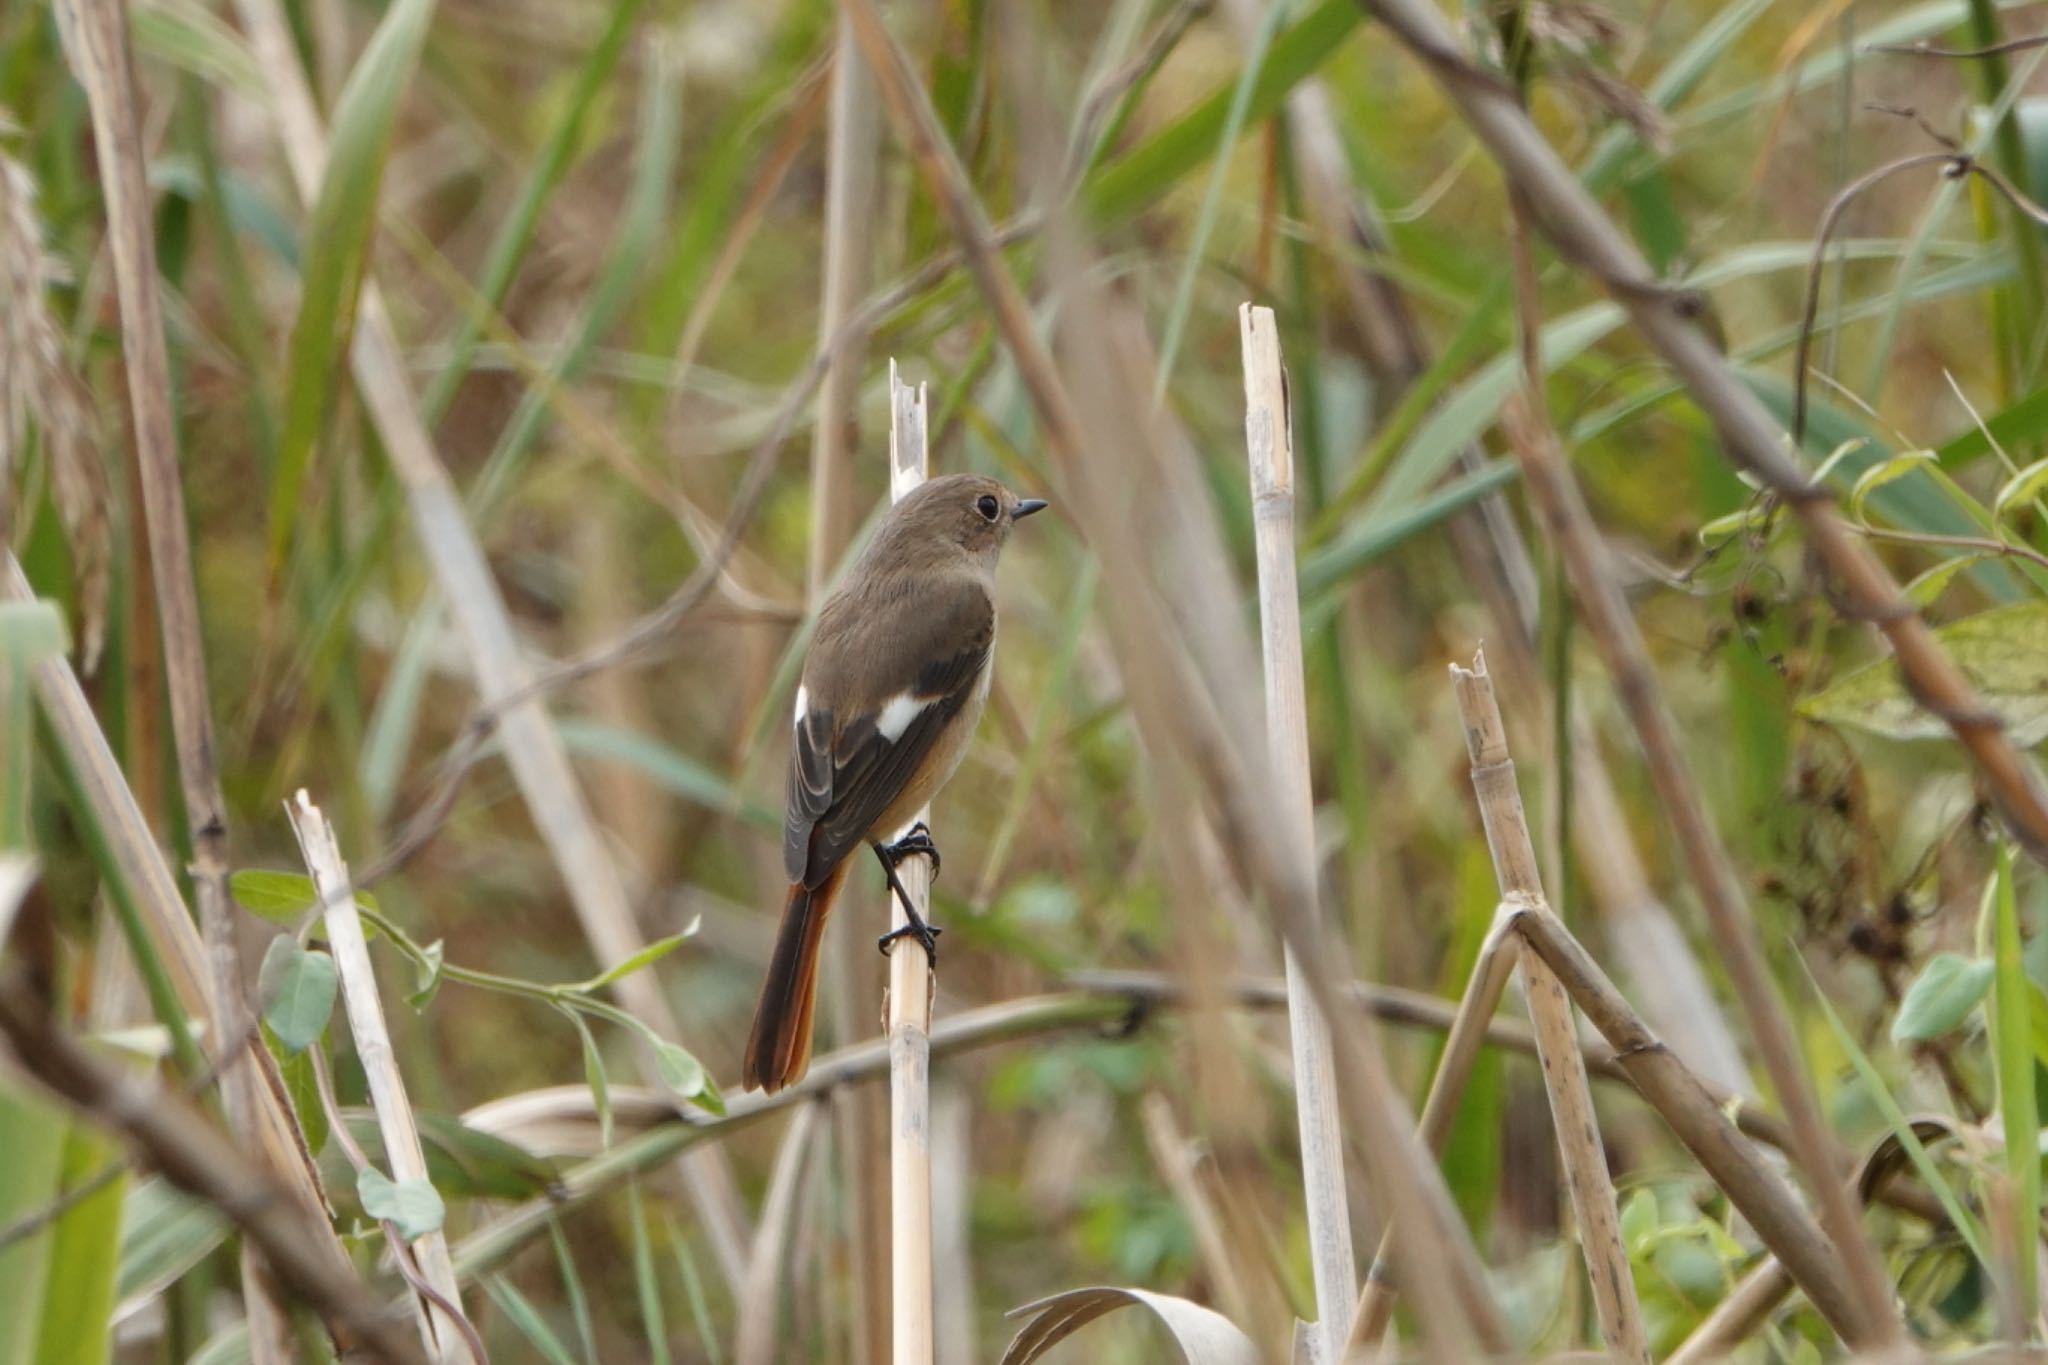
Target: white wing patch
[[803, 704], [898, 712]]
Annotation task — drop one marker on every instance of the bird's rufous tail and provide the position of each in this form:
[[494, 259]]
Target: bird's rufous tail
[[779, 1049]]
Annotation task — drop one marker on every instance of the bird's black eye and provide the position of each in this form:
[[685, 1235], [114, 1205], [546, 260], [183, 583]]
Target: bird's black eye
[[987, 505]]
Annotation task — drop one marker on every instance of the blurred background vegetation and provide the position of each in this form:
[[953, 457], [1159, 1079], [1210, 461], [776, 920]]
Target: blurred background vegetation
[[602, 229]]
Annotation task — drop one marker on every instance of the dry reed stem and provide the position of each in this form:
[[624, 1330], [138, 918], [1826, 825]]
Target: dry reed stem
[[1613, 628], [1168, 700], [1469, 1028], [1269, 439], [1757, 1191], [96, 41], [852, 155], [386, 1083], [760, 1297], [1557, 1047], [533, 747], [1737, 1316], [1568, 215], [172, 1138], [911, 986], [1179, 1164]]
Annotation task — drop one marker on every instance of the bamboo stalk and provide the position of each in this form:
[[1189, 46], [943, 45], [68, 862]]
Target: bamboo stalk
[[1269, 439], [444, 1336], [1557, 1044], [909, 1008], [533, 746]]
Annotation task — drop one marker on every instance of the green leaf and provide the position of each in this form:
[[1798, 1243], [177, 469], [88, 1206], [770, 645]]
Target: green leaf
[[680, 1071], [671, 768], [85, 1256], [462, 1162], [164, 1233], [594, 1076], [2021, 488], [427, 969], [31, 632], [281, 897], [337, 243], [2003, 653], [1929, 584], [302, 1085], [1941, 997], [646, 957], [413, 1205], [1639, 1219], [1882, 473], [297, 988]]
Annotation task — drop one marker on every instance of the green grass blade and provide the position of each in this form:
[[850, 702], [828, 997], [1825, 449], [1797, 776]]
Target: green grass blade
[[526, 1319], [558, 152], [646, 1281], [2017, 1110], [84, 1256], [1156, 165], [1212, 197], [1960, 1217], [337, 251]]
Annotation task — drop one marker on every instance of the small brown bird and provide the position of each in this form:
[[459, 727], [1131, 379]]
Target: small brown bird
[[895, 680]]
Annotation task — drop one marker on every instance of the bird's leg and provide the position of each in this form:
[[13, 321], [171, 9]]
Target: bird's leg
[[918, 840]]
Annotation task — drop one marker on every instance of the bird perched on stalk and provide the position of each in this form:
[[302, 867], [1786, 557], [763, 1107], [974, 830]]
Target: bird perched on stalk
[[896, 677]]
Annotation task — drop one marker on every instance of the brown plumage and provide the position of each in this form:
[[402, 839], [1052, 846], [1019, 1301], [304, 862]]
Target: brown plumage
[[895, 680]]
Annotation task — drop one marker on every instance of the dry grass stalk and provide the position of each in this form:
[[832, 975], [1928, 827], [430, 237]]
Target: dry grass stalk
[[1620, 642], [851, 212], [96, 41], [1557, 1045], [1176, 713], [37, 383], [380, 1064], [1752, 1185], [1269, 438], [760, 1297], [1179, 1164], [911, 985], [1472, 1026], [533, 747]]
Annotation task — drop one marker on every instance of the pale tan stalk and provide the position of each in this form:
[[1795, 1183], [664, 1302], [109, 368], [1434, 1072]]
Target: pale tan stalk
[[1557, 1042], [851, 209], [365, 1011], [1737, 1316], [96, 40], [760, 1298], [533, 747], [1470, 1028], [909, 1011], [1269, 438], [1179, 1166]]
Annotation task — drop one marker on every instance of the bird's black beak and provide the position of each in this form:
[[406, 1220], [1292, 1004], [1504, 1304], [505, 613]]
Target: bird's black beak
[[1026, 506]]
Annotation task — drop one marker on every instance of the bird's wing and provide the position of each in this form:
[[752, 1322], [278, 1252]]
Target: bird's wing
[[873, 718]]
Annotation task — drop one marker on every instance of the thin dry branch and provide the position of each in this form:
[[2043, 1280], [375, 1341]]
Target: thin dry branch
[[1564, 1071], [1269, 438], [1174, 711]]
